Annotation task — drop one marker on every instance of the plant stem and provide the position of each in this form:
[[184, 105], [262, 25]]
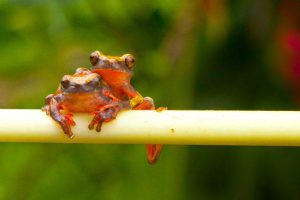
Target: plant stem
[[270, 128]]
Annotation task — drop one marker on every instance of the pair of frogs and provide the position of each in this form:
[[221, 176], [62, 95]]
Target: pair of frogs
[[103, 91]]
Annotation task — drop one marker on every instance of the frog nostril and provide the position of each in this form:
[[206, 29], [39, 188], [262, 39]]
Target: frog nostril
[[77, 86]]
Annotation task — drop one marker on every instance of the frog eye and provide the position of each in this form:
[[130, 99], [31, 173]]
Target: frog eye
[[129, 60], [94, 57], [65, 83]]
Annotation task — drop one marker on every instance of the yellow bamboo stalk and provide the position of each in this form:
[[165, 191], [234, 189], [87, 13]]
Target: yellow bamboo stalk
[[270, 128]]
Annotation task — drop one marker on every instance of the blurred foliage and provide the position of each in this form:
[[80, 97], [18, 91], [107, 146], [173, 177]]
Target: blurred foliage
[[190, 55]]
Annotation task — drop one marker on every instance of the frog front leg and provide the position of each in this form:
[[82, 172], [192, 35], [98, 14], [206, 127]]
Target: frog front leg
[[53, 109], [105, 114]]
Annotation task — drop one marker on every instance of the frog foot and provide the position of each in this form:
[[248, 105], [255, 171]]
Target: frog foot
[[160, 109], [153, 151], [104, 115], [46, 109], [147, 104], [66, 122]]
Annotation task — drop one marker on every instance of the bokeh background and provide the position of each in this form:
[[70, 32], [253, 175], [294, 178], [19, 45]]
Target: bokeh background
[[219, 54]]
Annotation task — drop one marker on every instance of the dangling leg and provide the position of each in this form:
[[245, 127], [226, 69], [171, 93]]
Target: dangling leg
[[153, 150]]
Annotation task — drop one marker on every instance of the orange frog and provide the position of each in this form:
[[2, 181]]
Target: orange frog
[[85, 92], [117, 72]]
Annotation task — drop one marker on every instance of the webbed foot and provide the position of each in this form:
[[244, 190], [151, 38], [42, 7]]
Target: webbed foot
[[153, 151], [104, 115]]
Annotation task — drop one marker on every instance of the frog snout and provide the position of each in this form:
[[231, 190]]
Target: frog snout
[[73, 87], [77, 86]]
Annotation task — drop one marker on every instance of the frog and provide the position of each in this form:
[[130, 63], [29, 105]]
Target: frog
[[117, 72], [83, 92]]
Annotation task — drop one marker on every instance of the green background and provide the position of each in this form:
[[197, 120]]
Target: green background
[[222, 55]]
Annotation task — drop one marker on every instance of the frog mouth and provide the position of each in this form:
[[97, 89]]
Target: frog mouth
[[80, 90], [109, 72]]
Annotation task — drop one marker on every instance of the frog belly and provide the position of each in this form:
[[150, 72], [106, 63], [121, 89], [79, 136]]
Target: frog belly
[[83, 103]]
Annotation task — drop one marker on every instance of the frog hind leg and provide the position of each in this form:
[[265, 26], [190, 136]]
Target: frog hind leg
[[153, 150], [146, 104]]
